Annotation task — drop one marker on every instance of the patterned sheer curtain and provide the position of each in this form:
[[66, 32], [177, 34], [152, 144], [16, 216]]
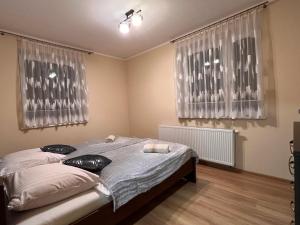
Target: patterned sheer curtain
[[219, 71], [53, 85]]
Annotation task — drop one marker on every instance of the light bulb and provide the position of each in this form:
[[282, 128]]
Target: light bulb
[[136, 19], [124, 27], [216, 61], [52, 75]]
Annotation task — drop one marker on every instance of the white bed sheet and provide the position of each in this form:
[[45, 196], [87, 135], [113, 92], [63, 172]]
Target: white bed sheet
[[63, 212]]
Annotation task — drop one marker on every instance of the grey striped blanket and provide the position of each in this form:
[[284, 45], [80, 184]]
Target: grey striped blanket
[[132, 171]]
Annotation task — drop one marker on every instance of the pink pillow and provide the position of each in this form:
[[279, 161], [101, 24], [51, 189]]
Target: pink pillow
[[45, 184]]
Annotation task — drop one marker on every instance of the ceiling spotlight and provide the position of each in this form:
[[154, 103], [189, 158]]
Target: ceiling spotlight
[[137, 19], [124, 27], [132, 17]]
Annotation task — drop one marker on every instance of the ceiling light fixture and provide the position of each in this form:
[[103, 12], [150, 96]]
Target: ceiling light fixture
[[132, 17]]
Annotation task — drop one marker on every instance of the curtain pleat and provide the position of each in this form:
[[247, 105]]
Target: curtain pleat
[[219, 71], [53, 85]]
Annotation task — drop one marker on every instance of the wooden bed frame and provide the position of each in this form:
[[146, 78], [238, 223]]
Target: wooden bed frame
[[105, 213]]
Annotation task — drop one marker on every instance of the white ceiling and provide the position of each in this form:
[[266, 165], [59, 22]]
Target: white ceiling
[[93, 24]]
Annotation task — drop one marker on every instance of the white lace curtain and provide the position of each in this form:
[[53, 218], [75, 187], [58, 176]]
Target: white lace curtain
[[53, 85], [219, 71]]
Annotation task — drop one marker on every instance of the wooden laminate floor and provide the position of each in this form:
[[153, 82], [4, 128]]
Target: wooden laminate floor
[[224, 197]]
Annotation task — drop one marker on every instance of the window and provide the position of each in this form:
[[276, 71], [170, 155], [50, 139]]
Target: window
[[53, 86], [245, 83], [208, 83], [218, 72]]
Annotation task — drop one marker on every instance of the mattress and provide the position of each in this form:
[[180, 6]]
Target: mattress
[[63, 212]]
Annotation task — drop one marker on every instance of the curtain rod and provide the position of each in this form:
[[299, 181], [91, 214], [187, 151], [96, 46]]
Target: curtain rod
[[263, 4], [31, 38]]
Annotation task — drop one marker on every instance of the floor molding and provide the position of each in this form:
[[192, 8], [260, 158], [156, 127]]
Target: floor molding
[[238, 170]]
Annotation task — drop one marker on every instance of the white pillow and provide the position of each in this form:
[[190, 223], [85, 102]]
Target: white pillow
[[110, 138], [17, 161], [45, 184]]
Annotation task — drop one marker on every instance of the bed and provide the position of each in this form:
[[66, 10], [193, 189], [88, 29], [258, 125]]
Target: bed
[[93, 205]]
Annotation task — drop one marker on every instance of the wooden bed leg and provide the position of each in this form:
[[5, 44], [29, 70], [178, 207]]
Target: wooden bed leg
[[3, 213], [192, 176]]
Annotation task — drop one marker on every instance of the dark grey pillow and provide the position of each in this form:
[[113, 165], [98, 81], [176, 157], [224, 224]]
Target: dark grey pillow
[[59, 149], [92, 163]]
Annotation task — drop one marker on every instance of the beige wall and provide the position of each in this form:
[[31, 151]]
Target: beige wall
[[108, 103], [262, 146]]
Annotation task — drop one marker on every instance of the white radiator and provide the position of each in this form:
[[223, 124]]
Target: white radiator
[[214, 145]]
